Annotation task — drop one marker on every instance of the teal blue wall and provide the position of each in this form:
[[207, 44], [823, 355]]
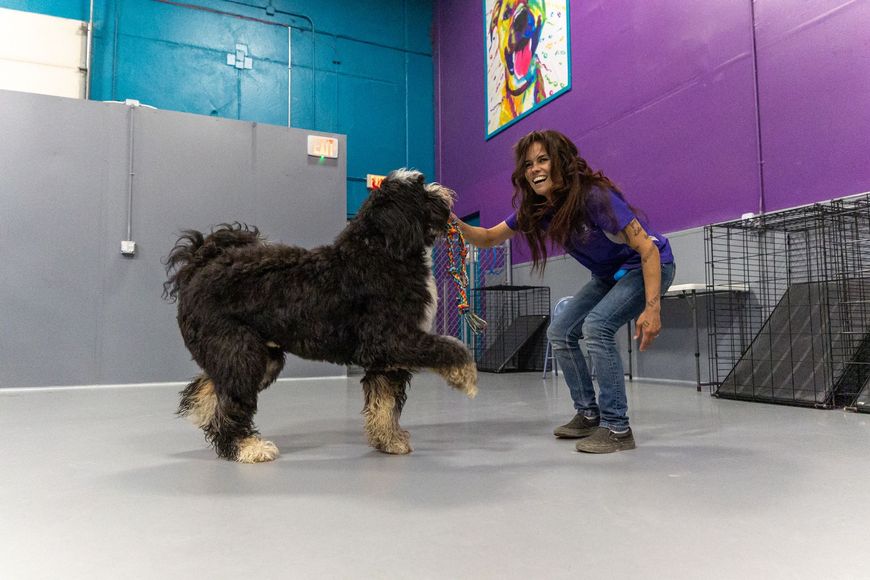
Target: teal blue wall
[[366, 70]]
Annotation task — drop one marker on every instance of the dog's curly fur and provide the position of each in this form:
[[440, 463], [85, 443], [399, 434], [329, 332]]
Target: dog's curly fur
[[368, 300]]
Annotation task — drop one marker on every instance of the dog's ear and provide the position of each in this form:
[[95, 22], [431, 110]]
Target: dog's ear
[[397, 210], [496, 14], [406, 235]]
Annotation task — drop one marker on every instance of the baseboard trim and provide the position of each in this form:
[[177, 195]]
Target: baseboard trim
[[669, 381]]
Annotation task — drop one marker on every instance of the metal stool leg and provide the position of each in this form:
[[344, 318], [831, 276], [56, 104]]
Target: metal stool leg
[[550, 356], [546, 359]]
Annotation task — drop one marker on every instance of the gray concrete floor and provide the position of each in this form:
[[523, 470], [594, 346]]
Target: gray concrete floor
[[106, 483]]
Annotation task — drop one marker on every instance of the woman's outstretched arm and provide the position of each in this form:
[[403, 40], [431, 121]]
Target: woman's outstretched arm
[[485, 237]]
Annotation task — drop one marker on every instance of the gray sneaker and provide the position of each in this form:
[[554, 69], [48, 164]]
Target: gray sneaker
[[606, 441], [579, 426]]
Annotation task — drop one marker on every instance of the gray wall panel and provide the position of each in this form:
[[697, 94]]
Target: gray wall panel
[[53, 159], [74, 310], [673, 355], [288, 207], [189, 172]]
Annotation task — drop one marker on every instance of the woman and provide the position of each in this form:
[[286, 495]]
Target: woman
[[561, 200]]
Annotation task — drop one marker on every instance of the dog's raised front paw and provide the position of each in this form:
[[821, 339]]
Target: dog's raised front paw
[[462, 378], [255, 450]]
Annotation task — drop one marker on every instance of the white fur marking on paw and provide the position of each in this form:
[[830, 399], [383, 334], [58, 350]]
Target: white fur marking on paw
[[395, 447], [255, 450]]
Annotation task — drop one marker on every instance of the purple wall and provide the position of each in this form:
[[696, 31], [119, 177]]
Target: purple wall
[[814, 84], [663, 101]]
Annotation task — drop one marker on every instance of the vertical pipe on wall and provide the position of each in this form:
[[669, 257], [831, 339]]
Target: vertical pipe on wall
[[757, 111], [89, 51], [313, 63], [116, 9], [407, 89], [289, 77], [408, 116], [439, 134], [132, 173]]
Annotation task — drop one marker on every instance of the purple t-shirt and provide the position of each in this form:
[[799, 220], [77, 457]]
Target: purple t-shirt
[[602, 251]]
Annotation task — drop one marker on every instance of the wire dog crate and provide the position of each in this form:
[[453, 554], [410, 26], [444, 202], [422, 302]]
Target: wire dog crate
[[516, 334], [800, 335]]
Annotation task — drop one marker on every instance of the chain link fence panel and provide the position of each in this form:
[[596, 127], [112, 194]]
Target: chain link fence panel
[[484, 267]]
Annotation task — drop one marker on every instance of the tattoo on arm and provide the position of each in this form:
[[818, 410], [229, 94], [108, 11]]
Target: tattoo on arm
[[653, 302]]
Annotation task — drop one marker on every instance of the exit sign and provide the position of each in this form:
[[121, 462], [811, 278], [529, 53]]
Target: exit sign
[[319, 146], [374, 181]]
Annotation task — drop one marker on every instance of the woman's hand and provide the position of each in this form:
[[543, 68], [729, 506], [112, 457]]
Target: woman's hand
[[648, 327]]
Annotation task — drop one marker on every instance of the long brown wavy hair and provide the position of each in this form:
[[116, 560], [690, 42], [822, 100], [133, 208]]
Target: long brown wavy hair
[[572, 181]]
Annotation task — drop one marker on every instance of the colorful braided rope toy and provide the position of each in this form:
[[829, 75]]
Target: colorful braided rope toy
[[456, 267]]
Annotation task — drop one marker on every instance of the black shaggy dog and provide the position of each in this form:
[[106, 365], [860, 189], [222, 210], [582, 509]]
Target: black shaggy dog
[[368, 299]]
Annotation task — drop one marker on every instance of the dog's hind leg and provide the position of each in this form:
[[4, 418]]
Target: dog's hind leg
[[198, 401], [274, 365], [384, 399], [238, 365], [233, 433]]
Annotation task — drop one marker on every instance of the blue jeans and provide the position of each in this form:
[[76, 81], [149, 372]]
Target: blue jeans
[[595, 313]]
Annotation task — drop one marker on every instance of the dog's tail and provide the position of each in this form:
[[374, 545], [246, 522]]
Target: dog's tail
[[193, 250]]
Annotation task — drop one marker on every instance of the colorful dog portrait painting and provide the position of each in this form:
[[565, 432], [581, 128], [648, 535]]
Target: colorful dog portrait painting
[[528, 58]]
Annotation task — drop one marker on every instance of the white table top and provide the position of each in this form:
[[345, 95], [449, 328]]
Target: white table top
[[682, 289]]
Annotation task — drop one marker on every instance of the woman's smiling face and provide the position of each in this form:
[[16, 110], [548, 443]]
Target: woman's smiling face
[[538, 168]]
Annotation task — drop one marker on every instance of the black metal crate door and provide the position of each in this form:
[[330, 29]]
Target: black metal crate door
[[516, 335]]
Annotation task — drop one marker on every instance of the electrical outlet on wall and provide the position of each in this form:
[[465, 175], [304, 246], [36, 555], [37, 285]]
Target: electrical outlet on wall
[[128, 247]]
